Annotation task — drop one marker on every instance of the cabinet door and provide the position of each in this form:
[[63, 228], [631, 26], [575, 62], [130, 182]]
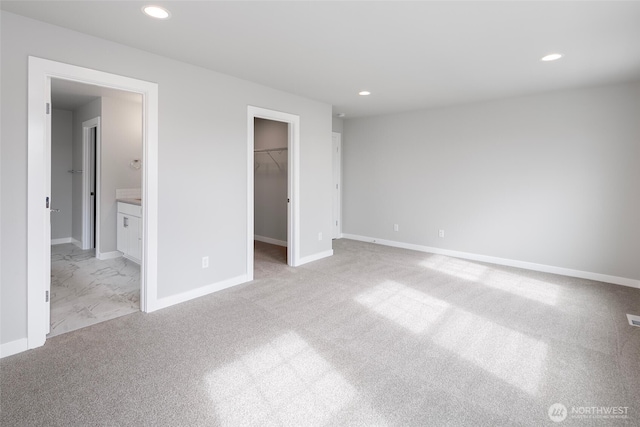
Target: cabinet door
[[122, 233], [135, 241]]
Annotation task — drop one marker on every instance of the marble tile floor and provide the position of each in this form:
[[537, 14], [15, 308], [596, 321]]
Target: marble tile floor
[[86, 290]]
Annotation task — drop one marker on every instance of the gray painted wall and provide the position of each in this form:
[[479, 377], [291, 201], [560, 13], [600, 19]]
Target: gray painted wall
[[270, 181], [88, 111], [61, 179], [202, 160], [121, 142], [551, 179]]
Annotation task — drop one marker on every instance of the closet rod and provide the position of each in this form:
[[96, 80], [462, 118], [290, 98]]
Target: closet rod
[[269, 150]]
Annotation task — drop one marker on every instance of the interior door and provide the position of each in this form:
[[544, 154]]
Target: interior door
[[92, 187], [49, 206], [337, 190]]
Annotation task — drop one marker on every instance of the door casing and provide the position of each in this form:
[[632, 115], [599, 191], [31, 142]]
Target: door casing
[[88, 224], [40, 73], [293, 180], [337, 185]]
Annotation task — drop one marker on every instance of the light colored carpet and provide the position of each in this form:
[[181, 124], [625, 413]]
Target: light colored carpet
[[86, 290], [372, 336]]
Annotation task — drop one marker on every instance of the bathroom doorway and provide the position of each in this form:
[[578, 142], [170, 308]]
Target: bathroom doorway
[[96, 132]]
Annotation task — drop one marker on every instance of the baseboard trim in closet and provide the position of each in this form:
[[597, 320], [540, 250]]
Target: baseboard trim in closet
[[270, 240]]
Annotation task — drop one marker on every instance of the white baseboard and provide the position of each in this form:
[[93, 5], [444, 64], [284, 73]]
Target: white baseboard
[[315, 257], [270, 240], [108, 255], [13, 347], [60, 241], [199, 292], [64, 240], [137, 261], [616, 280]]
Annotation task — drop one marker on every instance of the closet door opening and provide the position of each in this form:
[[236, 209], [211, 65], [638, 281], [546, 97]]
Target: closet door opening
[[271, 199], [273, 158]]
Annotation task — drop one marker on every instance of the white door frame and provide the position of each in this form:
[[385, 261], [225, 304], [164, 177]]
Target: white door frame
[[87, 171], [337, 185], [41, 71], [293, 183]]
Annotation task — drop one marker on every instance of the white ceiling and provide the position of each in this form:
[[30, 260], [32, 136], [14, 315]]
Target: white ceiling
[[410, 55]]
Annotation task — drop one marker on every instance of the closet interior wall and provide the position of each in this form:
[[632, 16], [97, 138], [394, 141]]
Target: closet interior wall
[[271, 139]]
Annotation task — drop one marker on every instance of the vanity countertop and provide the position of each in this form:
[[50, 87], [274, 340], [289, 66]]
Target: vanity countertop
[[137, 202]]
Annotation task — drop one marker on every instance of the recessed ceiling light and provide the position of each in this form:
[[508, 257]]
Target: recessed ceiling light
[[551, 57], [364, 93], [156, 12]]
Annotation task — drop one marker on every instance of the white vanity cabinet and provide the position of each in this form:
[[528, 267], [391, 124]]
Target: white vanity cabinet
[[129, 231]]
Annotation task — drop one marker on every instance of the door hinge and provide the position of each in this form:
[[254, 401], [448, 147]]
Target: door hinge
[[46, 202], [46, 296], [48, 108]]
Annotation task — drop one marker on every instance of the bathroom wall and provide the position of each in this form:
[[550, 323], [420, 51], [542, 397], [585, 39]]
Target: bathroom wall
[[89, 111], [121, 143], [61, 179]]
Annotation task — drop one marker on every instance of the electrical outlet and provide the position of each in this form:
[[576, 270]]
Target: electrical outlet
[[441, 233], [396, 227], [205, 262], [320, 236]]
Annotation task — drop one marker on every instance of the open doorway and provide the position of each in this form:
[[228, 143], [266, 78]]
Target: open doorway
[[41, 72], [90, 187], [268, 154], [271, 166], [96, 134]]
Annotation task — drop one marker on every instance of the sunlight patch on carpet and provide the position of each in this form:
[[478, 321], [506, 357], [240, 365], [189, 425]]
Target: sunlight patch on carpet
[[403, 305], [522, 286], [510, 355], [282, 382]]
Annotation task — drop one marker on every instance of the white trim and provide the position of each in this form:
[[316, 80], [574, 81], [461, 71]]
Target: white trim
[[108, 255], [315, 257], [41, 71], [293, 209], [62, 241], [633, 318], [337, 155], [616, 280], [199, 292], [13, 347], [87, 167], [270, 240]]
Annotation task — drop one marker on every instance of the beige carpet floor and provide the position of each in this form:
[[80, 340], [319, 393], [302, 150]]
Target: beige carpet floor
[[372, 336]]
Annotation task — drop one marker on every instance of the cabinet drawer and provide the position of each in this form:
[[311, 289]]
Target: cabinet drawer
[[129, 209]]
